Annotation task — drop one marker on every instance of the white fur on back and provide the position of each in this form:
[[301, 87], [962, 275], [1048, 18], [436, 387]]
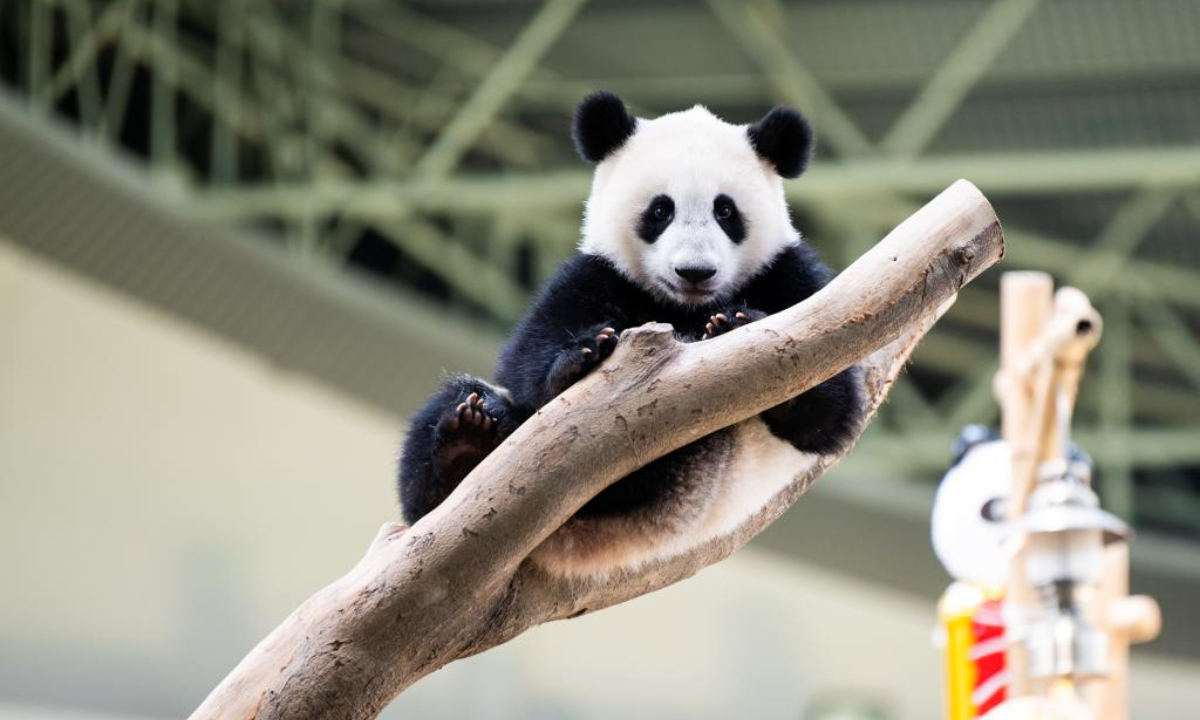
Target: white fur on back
[[762, 466]]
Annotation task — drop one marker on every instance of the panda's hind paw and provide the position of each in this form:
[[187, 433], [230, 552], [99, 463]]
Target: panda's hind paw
[[468, 429], [723, 322], [471, 413]]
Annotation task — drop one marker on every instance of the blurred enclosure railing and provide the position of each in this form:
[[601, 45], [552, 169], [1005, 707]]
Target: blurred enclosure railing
[[427, 144]]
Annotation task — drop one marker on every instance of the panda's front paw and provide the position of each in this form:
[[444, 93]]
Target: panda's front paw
[[587, 351], [722, 323]]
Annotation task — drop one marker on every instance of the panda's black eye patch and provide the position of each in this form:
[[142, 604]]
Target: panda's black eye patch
[[656, 218], [993, 510], [727, 215]]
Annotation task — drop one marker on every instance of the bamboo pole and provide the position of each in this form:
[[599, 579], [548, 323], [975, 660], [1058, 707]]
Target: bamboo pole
[[1025, 305], [1043, 350]]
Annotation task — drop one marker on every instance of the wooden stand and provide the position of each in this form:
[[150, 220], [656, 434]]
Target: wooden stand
[[1044, 341]]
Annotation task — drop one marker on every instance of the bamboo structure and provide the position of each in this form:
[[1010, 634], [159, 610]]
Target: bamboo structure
[[1045, 340]]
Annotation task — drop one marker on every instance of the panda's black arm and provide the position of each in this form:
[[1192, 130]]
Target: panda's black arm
[[823, 419], [545, 353]]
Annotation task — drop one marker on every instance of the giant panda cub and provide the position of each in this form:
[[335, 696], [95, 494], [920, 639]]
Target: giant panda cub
[[686, 224]]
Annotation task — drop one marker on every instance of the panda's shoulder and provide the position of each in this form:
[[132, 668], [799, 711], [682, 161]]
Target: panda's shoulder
[[582, 286], [800, 260], [588, 269], [583, 275]]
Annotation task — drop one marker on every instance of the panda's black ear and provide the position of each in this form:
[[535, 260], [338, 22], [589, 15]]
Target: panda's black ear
[[602, 124], [783, 138]]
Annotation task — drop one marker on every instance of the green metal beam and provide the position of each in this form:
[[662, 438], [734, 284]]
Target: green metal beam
[[120, 82], [163, 87], [977, 307], [749, 24], [39, 53], [192, 77], [971, 400], [393, 99], [1030, 249], [1141, 277], [752, 88], [470, 55], [87, 35], [227, 87], [1148, 448], [478, 111], [856, 181], [1116, 408], [1171, 334], [482, 282], [1105, 258], [948, 86]]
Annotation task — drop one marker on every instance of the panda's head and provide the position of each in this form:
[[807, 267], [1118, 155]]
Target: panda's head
[[686, 205]]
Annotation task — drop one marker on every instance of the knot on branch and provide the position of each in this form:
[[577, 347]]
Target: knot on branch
[[649, 340], [642, 351]]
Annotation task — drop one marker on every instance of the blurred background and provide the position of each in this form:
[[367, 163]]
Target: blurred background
[[239, 242]]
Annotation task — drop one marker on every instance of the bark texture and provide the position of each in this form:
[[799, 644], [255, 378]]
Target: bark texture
[[458, 582]]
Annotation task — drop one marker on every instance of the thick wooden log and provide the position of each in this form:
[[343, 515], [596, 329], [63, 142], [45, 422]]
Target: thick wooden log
[[459, 581]]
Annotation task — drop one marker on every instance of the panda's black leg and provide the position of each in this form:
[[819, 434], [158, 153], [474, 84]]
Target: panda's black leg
[[585, 352], [824, 419], [455, 430]]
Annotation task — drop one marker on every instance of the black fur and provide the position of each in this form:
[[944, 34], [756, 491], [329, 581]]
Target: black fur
[[731, 220], [656, 218], [436, 458], [602, 125], [584, 297], [783, 138], [584, 352]]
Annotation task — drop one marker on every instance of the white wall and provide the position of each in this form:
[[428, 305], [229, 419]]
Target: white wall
[[165, 499]]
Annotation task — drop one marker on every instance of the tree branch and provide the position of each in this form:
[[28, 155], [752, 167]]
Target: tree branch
[[460, 581]]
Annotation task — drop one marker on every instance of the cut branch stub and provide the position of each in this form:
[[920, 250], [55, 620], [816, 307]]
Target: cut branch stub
[[459, 581]]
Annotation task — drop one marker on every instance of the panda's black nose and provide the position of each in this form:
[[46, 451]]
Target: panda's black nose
[[695, 274]]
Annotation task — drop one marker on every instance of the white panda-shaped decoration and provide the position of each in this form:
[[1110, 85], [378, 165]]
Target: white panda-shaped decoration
[[968, 525], [686, 224]]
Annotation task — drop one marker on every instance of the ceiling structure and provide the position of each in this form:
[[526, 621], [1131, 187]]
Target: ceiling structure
[[425, 144]]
